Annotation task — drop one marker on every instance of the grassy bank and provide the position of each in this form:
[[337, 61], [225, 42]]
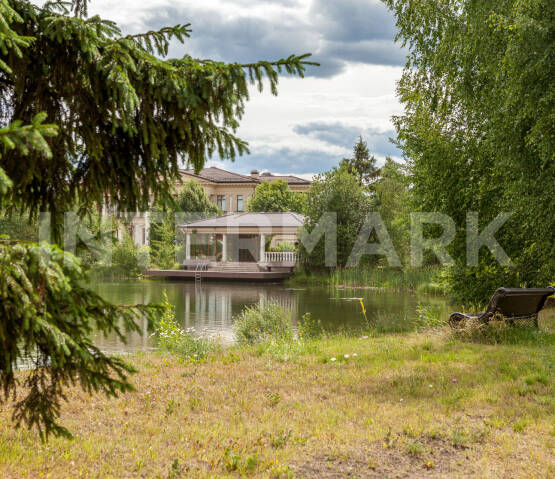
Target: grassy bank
[[412, 405], [424, 280]]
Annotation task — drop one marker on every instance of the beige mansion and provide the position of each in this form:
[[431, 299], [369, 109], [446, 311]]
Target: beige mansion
[[230, 191]]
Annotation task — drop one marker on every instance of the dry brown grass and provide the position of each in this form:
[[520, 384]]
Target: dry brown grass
[[391, 411]]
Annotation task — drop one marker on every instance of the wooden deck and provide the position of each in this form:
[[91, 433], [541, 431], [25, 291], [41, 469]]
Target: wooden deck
[[212, 275]]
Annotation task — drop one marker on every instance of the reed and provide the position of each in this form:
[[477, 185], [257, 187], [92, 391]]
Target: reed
[[423, 280]]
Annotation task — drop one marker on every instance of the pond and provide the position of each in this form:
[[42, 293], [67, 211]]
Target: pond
[[210, 308]]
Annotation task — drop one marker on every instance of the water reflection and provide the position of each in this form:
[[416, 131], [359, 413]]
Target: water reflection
[[210, 308]]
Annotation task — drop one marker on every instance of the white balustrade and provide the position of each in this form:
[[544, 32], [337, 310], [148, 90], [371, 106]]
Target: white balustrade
[[280, 257]]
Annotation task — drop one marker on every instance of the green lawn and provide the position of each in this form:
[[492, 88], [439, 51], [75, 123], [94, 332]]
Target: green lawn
[[411, 405]]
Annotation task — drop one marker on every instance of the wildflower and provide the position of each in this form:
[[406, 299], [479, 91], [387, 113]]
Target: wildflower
[[346, 356], [354, 355], [401, 400], [333, 359], [454, 380], [430, 386]]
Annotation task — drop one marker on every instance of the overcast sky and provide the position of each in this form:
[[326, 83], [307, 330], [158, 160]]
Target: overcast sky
[[314, 121]]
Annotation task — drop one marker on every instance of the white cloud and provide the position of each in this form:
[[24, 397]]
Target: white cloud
[[362, 97], [352, 38]]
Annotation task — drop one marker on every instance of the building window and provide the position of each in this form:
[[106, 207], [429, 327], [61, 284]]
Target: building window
[[239, 202], [221, 202]]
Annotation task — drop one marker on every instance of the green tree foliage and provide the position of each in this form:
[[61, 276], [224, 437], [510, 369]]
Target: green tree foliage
[[192, 204], [192, 200], [15, 136], [121, 116], [276, 196], [163, 246], [339, 192], [362, 164], [478, 91], [125, 113], [18, 226], [48, 319], [392, 200], [125, 256]]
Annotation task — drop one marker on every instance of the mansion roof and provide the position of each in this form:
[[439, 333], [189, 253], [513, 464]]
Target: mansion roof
[[217, 175]]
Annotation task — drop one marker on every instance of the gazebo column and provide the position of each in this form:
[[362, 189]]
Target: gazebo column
[[147, 228], [224, 247], [262, 247], [188, 246]]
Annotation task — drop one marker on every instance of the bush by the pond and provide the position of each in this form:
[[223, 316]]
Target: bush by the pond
[[257, 324], [429, 317], [310, 328], [128, 260], [174, 339]]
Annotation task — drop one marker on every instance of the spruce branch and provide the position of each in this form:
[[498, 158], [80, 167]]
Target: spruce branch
[[25, 138], [48, 319], [158, 41], [80, 7]]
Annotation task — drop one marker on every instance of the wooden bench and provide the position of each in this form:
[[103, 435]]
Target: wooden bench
[[511, 304]]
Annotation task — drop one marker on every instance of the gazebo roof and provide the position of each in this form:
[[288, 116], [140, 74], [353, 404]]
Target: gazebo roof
[[247, 223]]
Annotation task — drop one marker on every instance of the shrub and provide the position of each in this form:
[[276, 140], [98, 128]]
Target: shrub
[[257, 324], [174, 339], [128, 260], [285, 246], [428, 317], [310, 328]]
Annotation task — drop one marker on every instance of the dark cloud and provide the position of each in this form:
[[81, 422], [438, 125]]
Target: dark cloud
[[335, 32], [285, 3], [332, 133], [345, 135], [242, 39], [353, 20], [285, 160], [382, 52]]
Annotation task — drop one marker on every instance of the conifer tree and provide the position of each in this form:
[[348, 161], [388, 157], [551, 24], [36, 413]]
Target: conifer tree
[[85, 113], [362, 164], [126, 113]]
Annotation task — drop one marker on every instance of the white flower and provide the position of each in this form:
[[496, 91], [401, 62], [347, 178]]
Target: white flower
[[354, 355], [333, 359], [401, 400], [346, 356], [430, 386]]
